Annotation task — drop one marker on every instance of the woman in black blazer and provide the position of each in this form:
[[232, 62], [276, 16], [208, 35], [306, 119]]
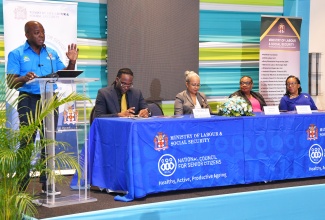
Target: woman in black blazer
[[254, 99]]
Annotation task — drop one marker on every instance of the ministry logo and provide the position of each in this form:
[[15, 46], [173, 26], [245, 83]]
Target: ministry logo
[[70, 115], [281, 28], [20, 13], [312, 132], [161, 141]]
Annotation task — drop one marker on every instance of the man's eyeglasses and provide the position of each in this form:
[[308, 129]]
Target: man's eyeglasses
[[245, 83], [291, 84], [125, 84]]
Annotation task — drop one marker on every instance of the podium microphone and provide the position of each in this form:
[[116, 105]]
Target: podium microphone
[[52, 74]]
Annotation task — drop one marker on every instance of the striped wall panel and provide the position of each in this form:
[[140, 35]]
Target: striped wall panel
[[229, 43], [92, 22], [246, 2]]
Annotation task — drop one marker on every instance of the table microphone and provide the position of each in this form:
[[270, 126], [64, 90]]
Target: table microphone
[[203, 101], [52, 74]]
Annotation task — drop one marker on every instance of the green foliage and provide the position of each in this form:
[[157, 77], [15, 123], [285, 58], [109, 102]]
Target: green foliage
[[16, 162]]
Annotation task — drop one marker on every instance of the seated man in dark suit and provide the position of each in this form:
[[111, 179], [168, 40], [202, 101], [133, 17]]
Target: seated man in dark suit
[[121, 99]]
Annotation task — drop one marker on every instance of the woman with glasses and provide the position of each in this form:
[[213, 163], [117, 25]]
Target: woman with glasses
[[293, 96], [255, 99], [190, 98]]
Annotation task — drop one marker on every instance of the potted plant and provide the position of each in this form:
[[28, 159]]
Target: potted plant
[[15, 162]]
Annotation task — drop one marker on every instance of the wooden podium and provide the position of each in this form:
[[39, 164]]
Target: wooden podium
[[82, 194]]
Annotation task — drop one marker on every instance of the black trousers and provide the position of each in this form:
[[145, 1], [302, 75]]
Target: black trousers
[[25, 105]]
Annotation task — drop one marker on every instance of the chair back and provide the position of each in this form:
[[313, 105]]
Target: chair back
[[155, 109], [92, 116]]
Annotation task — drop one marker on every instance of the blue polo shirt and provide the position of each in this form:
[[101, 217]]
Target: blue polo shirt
[[23, 60]]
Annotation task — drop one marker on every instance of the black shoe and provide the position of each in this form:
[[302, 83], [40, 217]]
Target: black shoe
[[48, 190]]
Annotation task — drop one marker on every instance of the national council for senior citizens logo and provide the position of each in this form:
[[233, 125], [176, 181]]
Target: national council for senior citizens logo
[[312, 132], [316, 153], [161, 141], [167, 165]]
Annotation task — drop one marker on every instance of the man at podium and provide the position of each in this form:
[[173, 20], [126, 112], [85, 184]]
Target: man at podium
[[28, 61]]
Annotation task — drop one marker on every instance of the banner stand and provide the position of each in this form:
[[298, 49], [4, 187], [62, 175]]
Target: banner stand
[[279, 55]]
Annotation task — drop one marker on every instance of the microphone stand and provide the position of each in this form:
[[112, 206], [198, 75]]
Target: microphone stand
[[49, 131], [52, 74]]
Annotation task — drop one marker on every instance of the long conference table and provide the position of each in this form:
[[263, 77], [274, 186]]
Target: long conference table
[[145, 156]]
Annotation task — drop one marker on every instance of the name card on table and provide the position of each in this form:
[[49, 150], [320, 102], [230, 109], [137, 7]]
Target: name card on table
[[303, 109], [271, 110], [201, 113]]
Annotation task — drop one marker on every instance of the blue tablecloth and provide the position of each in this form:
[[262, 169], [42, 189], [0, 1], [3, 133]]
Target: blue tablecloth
[[144, 156], [285, 146]]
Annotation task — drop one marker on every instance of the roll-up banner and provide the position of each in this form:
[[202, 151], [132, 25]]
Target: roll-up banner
[[59, 20], [279, 55]]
